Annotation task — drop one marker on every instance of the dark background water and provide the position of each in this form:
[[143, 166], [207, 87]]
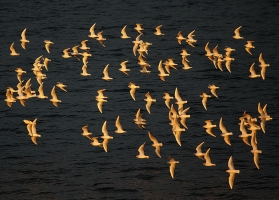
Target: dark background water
[[65, 166]]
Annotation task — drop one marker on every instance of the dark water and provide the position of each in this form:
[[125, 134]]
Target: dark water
[[65, 166]]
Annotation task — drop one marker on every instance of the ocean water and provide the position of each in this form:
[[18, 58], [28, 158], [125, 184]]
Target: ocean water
[[65, 166]]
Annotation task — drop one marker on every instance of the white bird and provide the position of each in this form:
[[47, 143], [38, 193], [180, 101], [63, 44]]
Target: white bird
[[13, 51], [47, 45], [66, 53], [255, 150], [252, 72], [237, 34], [61, 86], [213, 89], [105, 136], [100, 102], [180, 37], [179, 100], [118, 126], [92, 32], [124, 34], [83, 45], [101, 94], [95, 142], [208, 126], [204, 97], [23, 39], [85, 132], [136, 42], [248, 46], [41, 94], [124, 67], [162, 73], [232, 172], [54, 98], [158, 31], [208, 162], [133, 88], [199, 152], [149, 101], [167, 98], [34, 132], [224, 131], [106, 76], [141, 152], [100, 38], [263, 65], [172, 163], [244, 135], [138, 28], [190, 40], [155, 144], [84, 71]]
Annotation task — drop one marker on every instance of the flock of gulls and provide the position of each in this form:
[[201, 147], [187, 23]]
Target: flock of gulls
[[177, 116]]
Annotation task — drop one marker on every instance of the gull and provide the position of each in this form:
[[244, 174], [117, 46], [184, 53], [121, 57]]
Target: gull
[[208, 126], [167, 98], [139, 120], [54, 98], [84, 71], [9, 98], [136, 42], [199, 152], [118, 126], [124, 67], [23, 39], [248, 46], [180, 37], [138, 28], [40, 76], [228, 63], [232, 172], [224, 131], [185, 65], [244, 135], [213, 89], [263, 116], [155, 144], [183, 116], [141, 152], [85, 132], [184, 54], [105, 136], [237, 34], [19, 73], [61, 86], [100, 38], [219, 63], [179, 100], [21, 96], [75, 52], [124, 34], [29, 93], [13, 52], [158, 30], [95, 142], [133, 88], [29, 126], [208, 162], [66, 53], [92, 32], [85, 56], [172, 163], [229, 50], [216, 53], [34, 132], [208, 54], [149, 101], [106, 75], [46, 60], [162, 73], [252, 72], [263, 65], [100, 104], [41, 92], [169, 63], [204, 97], [255, 150], [142, 62], [101, 94], [83, 45], [47, 45], [176, 129], [190, 40]]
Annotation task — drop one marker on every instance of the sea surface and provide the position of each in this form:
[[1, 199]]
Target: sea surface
[[64, 165]]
